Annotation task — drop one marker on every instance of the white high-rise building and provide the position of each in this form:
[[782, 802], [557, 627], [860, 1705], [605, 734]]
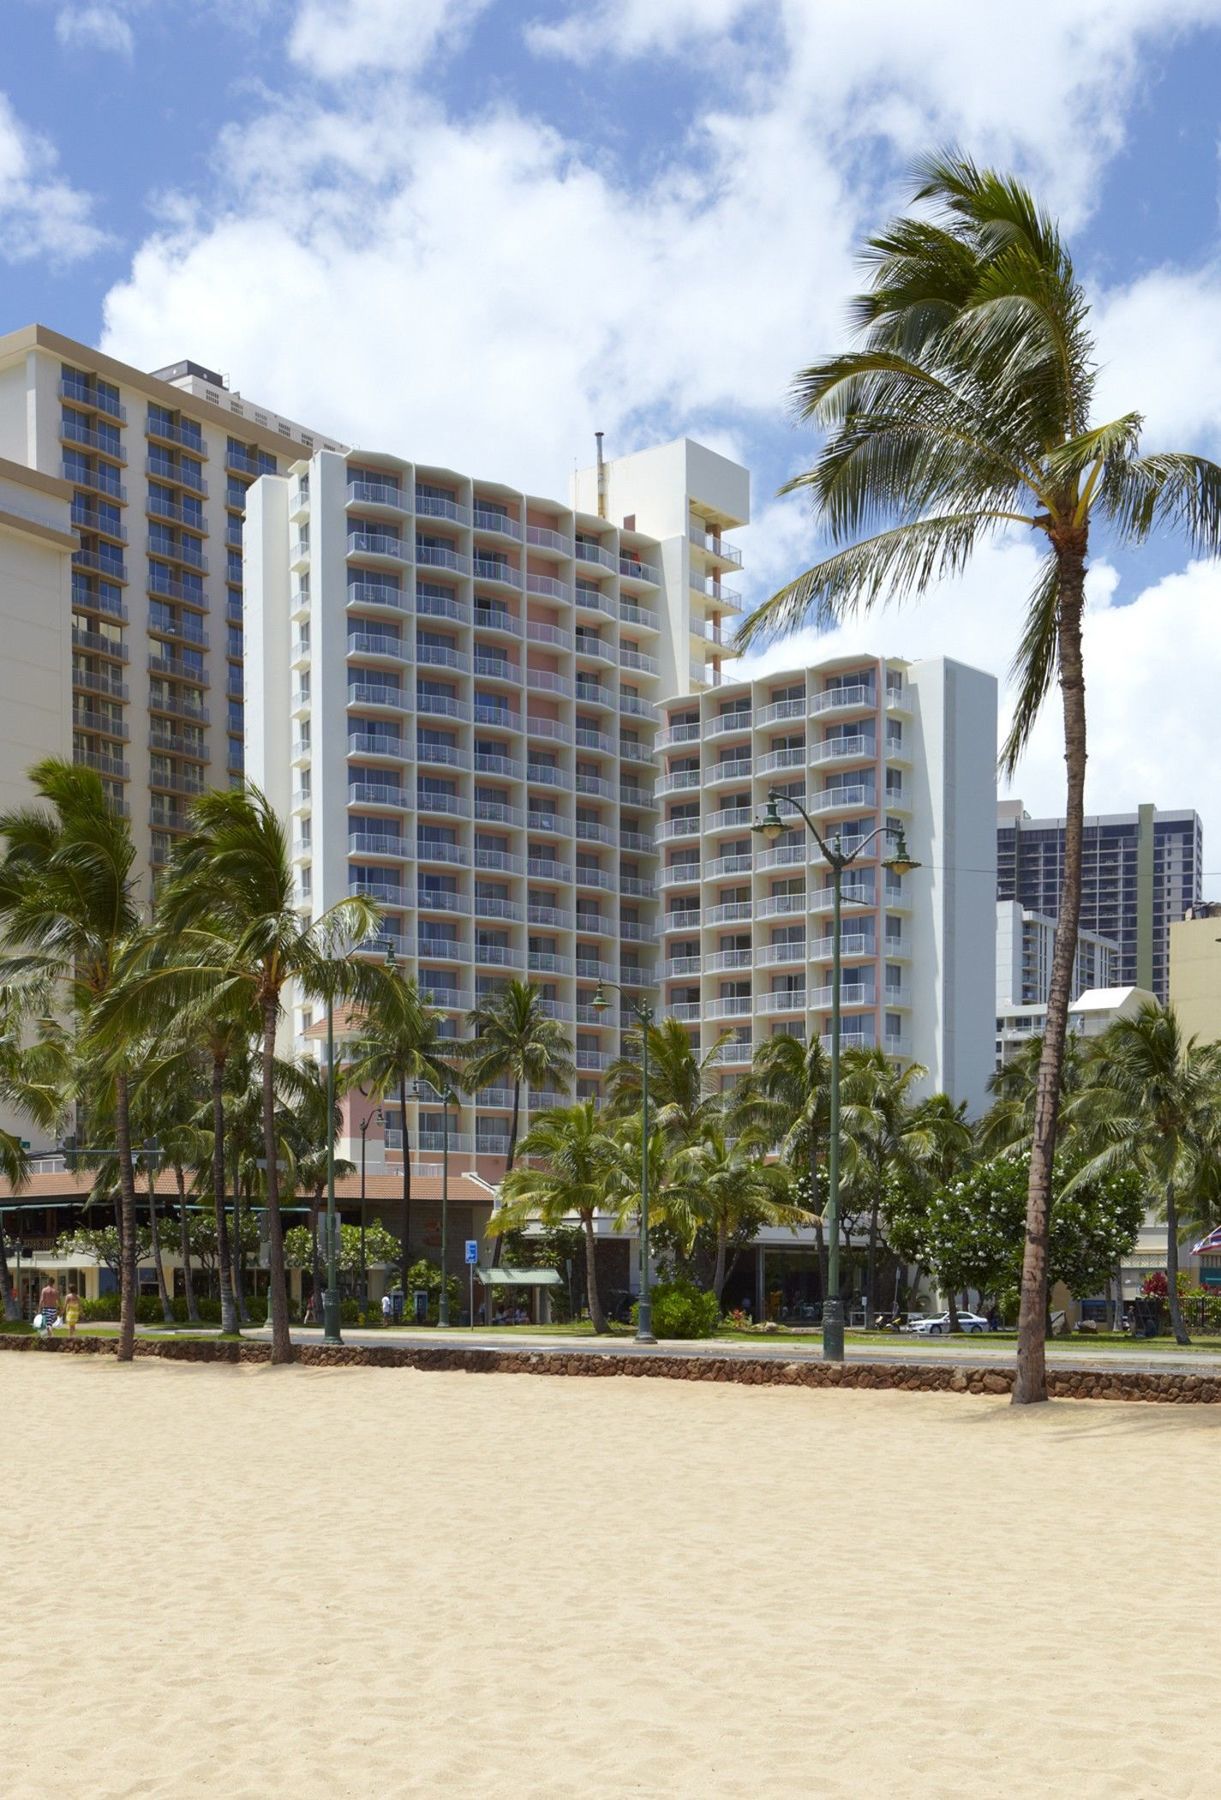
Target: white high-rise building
[[746, 928], [452, 690], [144, 645]]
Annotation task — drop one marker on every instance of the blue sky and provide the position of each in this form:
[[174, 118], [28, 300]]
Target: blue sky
[[475, 230]]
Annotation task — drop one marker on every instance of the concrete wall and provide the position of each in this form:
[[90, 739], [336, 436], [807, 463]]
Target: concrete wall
[[1195, 977]]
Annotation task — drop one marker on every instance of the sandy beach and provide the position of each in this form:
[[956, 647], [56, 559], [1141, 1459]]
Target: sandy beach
[[254, 1582]]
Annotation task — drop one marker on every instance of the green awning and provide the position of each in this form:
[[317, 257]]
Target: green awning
[[529, 1278]]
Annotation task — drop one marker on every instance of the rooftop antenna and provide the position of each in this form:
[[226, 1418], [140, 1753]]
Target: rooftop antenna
[[601, 478]]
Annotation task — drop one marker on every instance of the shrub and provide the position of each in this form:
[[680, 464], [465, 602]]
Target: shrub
[[681, 1310], [424, 1274]]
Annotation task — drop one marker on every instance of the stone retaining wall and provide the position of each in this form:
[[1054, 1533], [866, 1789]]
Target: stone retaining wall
[[1174, 1387]]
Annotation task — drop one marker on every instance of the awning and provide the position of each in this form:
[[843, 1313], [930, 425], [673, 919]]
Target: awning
[[528, 1278]]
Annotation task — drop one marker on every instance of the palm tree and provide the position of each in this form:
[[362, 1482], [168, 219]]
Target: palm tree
[[400, 1042], [572, 1160], [68, 920], [228, 901], [884, 1137], [1149, 1100], [33, 1082], [683, 1099], [1009, 1121], [965, 414], [793, 1079], [516, 1041], [725, 1184]]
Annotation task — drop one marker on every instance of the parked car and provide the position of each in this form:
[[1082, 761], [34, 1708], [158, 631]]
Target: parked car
[[940, 1326]]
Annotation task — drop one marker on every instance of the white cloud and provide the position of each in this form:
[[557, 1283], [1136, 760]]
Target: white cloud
[[1045, 93], [1150, 675], [1160, 345], [40, 214], [334, 38], [94, 28], [631, 28]]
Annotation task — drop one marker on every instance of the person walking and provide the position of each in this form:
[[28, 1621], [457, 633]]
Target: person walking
[[48, 1304], [387, 1309], [72, 1311]]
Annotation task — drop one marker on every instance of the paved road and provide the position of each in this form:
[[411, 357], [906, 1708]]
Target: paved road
[[971, 1352]]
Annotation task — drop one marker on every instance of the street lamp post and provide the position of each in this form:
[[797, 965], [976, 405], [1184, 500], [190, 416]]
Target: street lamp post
[[771, 826], [330, 1300], [443, 1303], [365, 1123], [644, 1012]]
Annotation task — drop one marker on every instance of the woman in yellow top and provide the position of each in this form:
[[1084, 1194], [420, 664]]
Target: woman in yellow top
[[72, 1310]]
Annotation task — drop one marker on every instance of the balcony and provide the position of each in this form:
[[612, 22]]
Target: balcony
[[544, 775], [377, 593], [682, 965], [729, 912], [780, 710], [490, 568], [846, 798], [95, 641], [364, 743], [440, 506], [594, 600], [740, 769], [677, 781], [721, 866], [497, 618], [730, 724], [440, 656], [549, 683], [100, 723], [104, 442], [855, 698], [772, 760], [635, 570], [645, 842], [377, 793], [372, 643], [89, 519], [102, 481], [112, 766], [544, 538], [553, 729], [367, 843], [768, 956], [784, 856], [678, 734], [845, 749], [547, 585], [545, 962], [376, 543], [82, 393], [486, 763], [670, 829], [436, 556], [852, 944], [729, 1006], [500, 523], [779, 906], [162, 469], [441, 606], [99, 563], [679, 875], [179, 708], [717, 547], [636, 659], [432, 899], [595, 785], [735, 1052], [376, 693], [99, 682], [790, 1000], [376, 493]]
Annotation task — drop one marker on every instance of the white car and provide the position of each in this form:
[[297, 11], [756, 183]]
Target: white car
[[940, 1326]]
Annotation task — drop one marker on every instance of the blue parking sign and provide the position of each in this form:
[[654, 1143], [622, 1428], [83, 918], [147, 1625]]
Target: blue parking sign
[[472, 1250]]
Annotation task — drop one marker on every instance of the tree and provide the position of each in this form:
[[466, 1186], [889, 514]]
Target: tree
[[69, 923], [885, 1135], [793, 1078], [725, 1185], [683, 1099], [381, 1246], [965, 414], [575, 1157], [400, 1042], [516, 1041], [230, 906], [1149, 1101]]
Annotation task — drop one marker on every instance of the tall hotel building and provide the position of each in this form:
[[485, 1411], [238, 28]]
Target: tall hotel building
[[746, 926], [453, 692], [150, 475], [505, 716]]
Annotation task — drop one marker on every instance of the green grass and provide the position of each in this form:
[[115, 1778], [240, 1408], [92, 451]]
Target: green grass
[[16, 1327]]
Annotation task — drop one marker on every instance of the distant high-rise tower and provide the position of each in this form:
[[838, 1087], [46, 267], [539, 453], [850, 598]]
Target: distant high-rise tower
[[1142, 870]]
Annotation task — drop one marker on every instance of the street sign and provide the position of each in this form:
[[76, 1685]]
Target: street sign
[[472, 1250]]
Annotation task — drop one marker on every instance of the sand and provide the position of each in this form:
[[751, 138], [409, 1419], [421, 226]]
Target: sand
[[344, 1582]]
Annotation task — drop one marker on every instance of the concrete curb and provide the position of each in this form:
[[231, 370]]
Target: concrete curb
[[1174, 1388]]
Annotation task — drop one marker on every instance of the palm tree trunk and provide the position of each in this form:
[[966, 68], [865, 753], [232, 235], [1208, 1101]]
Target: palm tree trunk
[[281, 1340], [12, 1307], [224, 1268], [1172, 1267], [718, 1272], [514, 1123], [1117, 1309], [315, 1253], [951, 1304], [596, 1314], [127, 1223], [163, 1293], [1030, 1382], [871, 1264], [188, 1273], [820, 1239], [406, 1187]]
